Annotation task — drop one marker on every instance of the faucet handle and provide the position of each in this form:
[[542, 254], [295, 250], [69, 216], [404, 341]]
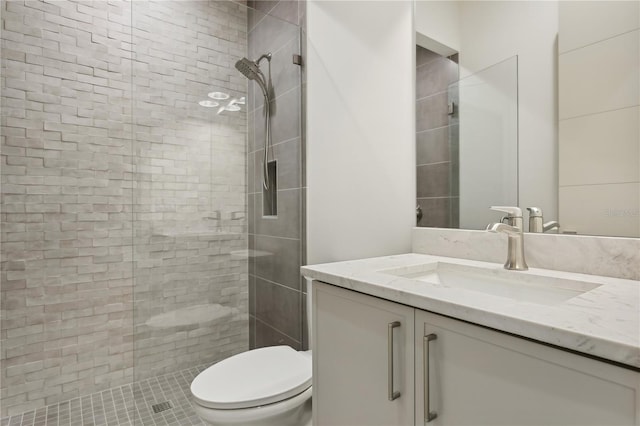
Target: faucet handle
[[510, 211], [535, 211]]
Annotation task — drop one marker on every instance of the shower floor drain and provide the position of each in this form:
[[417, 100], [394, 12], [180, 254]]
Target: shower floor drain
[[163, 406]]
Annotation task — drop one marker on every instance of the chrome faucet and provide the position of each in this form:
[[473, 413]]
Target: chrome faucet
[[536, 220], [514, 230]]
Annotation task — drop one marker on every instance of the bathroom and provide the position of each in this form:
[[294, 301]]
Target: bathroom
[[138, 246]]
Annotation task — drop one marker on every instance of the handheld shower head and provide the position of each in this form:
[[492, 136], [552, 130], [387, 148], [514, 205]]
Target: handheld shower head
[[251, 70], [248, 68]]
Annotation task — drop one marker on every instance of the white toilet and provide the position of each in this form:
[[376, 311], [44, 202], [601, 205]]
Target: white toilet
[[262, 387]]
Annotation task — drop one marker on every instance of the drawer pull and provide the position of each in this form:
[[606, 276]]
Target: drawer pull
[[392, 394], [428, 414]]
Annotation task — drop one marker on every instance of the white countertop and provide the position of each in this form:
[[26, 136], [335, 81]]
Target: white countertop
[[603, 322]]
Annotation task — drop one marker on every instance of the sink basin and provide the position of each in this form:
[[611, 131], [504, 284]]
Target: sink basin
[[520, 286]]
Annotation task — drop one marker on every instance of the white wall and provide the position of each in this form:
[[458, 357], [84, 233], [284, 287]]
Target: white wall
[[437, 24], [360, 141]]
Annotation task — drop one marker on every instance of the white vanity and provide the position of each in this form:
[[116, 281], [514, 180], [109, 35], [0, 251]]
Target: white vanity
[[418, 339]]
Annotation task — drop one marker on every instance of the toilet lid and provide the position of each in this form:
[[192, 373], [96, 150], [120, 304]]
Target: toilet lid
[[253, 378]]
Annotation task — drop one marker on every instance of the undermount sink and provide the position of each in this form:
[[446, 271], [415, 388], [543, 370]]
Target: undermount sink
[[520, 286]]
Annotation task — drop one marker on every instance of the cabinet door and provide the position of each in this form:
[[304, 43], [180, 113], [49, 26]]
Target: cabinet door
[[482, 377], [351, 359]]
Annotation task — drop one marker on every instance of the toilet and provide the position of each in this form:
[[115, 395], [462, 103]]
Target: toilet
[[268, 386]]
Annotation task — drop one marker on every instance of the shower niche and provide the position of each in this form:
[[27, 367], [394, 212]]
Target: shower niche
[[270, 190]]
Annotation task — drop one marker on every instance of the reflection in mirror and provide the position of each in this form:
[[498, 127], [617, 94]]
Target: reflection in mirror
[[488, 136], [460, 128], [578, 110], [599, 118], [436, 139]]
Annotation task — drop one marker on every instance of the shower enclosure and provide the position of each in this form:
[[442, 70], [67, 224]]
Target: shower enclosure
[[134, 247]]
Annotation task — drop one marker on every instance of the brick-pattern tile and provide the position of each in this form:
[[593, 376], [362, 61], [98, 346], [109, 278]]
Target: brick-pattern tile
[[122, 198]]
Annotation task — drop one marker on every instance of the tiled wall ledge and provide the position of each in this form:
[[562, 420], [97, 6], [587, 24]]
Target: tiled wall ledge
[[608, 256]]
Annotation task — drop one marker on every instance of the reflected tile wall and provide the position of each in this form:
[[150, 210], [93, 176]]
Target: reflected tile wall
[[276, 243], [436, 139]]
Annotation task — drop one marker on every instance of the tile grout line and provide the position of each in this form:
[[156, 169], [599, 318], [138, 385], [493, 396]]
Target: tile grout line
[[147, 402], [104, 409], [133, 405], [181, 390], [166, 413], [93, 411], [178, 408], [128, 409]]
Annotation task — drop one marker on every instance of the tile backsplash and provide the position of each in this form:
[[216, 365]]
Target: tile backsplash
[[607, 256]]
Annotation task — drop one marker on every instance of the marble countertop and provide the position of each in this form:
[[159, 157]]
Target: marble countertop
[[603, 322]]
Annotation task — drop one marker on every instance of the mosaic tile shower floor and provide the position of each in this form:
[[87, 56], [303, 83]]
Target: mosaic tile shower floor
[[129, 405]]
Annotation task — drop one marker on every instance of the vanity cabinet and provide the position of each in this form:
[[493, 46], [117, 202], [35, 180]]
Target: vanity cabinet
[[476, 376], [479, 376], [353, 334]]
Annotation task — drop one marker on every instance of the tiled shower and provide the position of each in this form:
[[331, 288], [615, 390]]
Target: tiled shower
[[277, 294], [437, 139], [129, 233]]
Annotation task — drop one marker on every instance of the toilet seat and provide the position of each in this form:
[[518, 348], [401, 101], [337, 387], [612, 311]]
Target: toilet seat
[[256, 415], [252, 379]]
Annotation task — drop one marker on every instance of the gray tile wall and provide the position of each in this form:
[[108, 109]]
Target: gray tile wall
[[122, 199], [277, 298], [67, 179], [436, 140]]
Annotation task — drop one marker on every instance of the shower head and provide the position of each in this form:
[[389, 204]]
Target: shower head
[[251, 70]]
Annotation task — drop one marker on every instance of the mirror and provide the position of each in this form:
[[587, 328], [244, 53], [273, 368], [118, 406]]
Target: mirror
[[571, 142]]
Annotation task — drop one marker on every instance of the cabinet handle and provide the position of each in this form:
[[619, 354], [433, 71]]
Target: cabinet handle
[[392, 394], [428, 414]]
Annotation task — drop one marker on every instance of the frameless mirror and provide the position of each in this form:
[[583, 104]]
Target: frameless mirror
[[558, 130]]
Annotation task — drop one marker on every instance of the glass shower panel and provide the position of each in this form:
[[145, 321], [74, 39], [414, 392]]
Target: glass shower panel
[[190, 220], [129, 150], [488, 136], [276, 236]]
